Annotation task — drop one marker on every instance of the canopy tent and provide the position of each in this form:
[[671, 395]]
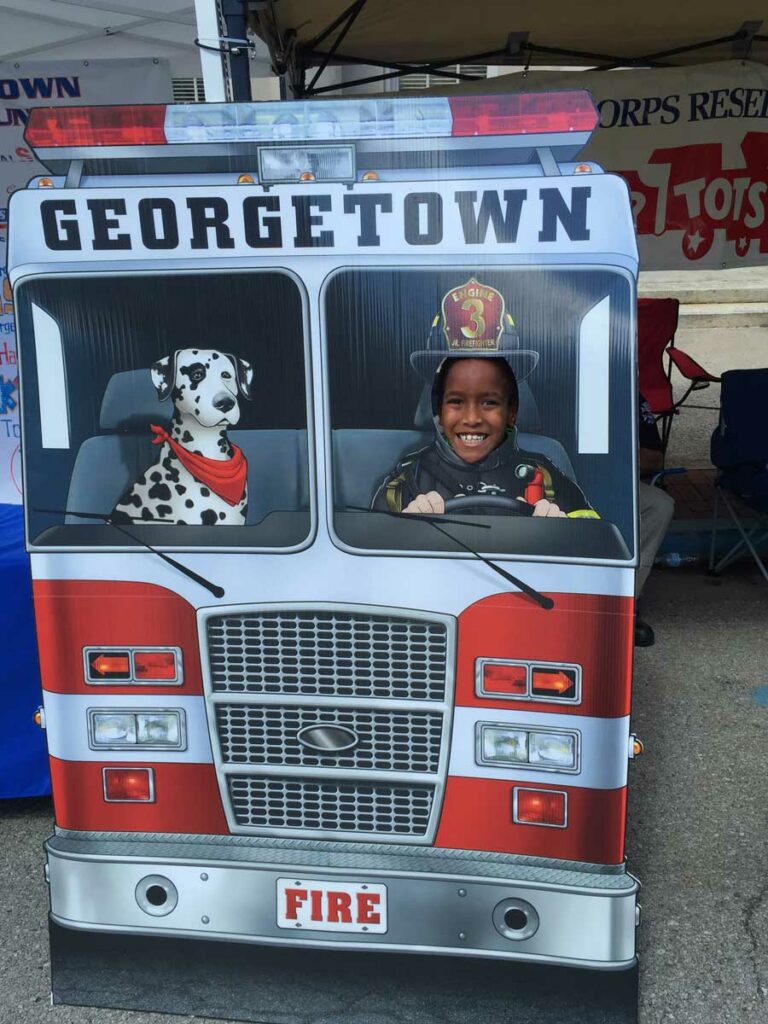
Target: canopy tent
[[400, 36], [90, 29]]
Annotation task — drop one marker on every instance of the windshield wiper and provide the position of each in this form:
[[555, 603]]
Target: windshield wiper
[[541, 599], [216, 590]]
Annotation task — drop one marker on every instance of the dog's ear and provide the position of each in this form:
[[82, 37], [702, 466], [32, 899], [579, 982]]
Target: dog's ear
[[163, 374], [244, 376]]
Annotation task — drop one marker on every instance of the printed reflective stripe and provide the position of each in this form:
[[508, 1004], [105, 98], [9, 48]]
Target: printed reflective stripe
[[583, 513], [187, 800], [603, 748], [66, 717], [451, 586]]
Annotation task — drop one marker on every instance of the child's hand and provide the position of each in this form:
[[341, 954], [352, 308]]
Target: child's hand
[[542, 507], [430, 504]]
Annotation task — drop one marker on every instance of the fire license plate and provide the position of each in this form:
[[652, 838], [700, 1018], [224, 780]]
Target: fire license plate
[[331, 906]]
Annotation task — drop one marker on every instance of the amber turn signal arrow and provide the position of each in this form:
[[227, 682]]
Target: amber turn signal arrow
[[105, 665], [557, 682]]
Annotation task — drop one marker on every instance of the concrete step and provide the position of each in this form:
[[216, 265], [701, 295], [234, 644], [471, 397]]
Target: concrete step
[[703, 287], [708, 315]]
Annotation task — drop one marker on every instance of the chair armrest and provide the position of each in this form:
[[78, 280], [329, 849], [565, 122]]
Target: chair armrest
[[689, 367]]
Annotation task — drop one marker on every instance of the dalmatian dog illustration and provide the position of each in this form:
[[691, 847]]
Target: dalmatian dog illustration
[[199, 476]]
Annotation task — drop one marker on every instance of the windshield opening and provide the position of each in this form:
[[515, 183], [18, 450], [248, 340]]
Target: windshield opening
[[533, 412], [173, 404]]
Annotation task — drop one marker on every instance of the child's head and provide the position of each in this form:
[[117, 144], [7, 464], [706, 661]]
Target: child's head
[[477, 401]]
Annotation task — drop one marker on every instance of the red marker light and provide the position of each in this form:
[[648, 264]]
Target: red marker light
[[149, 665], [51, 127], [504, 680], [129, 785], [548, 682], [539, 807]]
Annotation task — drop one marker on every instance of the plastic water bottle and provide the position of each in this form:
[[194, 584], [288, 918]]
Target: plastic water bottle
[[674, 560]]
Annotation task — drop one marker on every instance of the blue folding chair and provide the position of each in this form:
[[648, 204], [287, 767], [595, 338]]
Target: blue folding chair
[[739, 450]]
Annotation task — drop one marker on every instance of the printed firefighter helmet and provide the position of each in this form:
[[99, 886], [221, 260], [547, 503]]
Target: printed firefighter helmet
[[473, 323]]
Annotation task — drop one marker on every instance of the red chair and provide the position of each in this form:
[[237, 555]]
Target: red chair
[[656, 326]]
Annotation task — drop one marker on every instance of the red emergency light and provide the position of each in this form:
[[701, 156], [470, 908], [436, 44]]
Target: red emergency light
[[52, 127], [512, 114], [523, 113]]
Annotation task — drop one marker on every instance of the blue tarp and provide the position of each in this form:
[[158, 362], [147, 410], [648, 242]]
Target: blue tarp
[[23, 758]]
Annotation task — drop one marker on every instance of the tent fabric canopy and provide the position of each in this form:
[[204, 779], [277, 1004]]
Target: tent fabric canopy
[[389, 32]]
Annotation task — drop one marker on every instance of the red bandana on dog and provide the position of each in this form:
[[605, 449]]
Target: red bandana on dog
[[224, 477]]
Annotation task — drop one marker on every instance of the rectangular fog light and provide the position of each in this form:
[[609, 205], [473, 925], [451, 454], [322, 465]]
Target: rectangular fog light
[[129, 785], [540, 807]]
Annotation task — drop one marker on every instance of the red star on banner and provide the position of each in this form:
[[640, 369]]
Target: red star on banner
[[742, 245], [697, 240]]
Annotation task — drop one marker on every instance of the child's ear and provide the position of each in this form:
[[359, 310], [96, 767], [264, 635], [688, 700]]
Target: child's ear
[[512, 416]]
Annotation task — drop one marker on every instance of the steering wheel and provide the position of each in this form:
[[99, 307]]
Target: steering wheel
[[488, 502]]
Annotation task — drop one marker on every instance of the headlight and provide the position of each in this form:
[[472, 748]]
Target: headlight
[[161, 728], [554, 750], [147, 729], [108, 729], [501, 744]]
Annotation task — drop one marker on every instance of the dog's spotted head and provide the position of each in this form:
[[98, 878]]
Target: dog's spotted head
[[204, 383]]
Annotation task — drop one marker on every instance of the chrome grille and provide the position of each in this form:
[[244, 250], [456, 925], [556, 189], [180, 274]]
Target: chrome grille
[[384, 676], [328, 653], [330, 805], [388, 740]]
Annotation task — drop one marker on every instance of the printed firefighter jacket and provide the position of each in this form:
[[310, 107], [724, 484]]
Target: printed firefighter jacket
[[508, 471]]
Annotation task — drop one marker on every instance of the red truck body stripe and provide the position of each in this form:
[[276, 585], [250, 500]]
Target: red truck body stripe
[[477, 815], [73, 614], [590, 630], [187, 800]]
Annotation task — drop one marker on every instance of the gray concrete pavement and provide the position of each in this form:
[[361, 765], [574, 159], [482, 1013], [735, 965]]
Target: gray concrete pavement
[[698, 803], [696, 839]]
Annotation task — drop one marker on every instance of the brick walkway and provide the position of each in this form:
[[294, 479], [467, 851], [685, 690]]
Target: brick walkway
[[694, 494]]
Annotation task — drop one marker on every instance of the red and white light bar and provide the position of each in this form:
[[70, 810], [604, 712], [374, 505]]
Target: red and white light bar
[[544, 113]]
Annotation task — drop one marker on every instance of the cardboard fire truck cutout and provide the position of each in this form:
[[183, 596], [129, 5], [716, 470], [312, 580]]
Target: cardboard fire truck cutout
[[336, 724]]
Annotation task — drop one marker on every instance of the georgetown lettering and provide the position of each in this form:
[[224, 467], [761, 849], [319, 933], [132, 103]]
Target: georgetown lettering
[[310, 220]]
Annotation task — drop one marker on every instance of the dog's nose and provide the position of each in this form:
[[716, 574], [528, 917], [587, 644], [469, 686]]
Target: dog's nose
[[223, 402]]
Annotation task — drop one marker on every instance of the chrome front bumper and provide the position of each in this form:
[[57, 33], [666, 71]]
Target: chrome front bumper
[[439, 901]]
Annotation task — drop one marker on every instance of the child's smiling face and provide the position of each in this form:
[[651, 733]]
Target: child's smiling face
[[476, 411]]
